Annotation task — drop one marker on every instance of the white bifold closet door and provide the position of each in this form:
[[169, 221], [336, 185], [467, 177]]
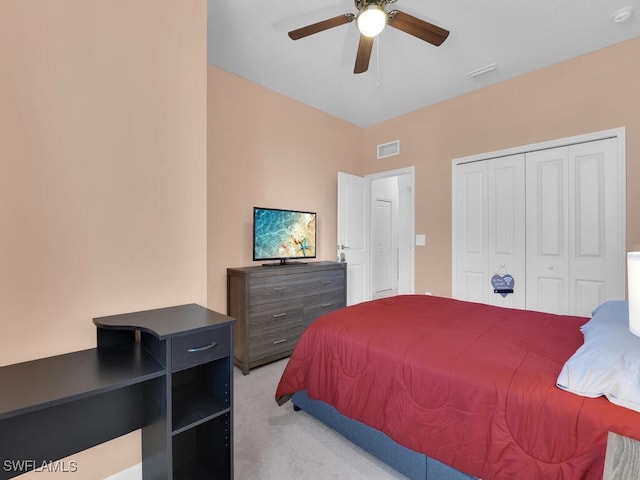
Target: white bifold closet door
[[490, 228], [548, 219], [573, 214]]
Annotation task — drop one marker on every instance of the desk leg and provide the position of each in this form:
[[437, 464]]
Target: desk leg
[[156, 433]]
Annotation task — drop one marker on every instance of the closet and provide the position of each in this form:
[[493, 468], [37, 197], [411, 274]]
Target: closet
[[542, 227]]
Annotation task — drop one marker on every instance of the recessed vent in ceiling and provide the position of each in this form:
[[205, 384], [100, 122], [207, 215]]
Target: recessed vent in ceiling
[[389, 149], [482, 70]]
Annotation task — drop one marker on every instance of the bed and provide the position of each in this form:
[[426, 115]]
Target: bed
[[470, 388]]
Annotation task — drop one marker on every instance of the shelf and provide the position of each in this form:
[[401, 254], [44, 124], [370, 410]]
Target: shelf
[[200, 393], [194, 408], [204, 452], [72, 376]]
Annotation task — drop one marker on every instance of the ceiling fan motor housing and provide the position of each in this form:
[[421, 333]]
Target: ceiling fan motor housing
[[362, 4]]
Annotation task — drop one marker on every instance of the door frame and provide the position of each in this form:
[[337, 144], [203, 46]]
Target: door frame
[[616, 133], [409, 242]]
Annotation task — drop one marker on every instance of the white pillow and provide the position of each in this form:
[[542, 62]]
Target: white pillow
[[608, 363]]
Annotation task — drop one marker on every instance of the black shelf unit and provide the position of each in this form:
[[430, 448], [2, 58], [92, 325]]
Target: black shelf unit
[[203, 451], [188, 433], [200, 393], [167, 371]]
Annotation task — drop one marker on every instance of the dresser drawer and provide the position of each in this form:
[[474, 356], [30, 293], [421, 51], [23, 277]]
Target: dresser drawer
[[270, 316], [201, 347], [275, 342], [324, 282], [275, 288], [316, 305]]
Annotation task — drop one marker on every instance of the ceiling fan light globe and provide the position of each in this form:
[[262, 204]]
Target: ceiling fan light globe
[[371, 21]]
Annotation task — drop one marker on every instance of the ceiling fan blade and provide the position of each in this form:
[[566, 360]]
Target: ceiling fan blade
[[364, 54], [321, 26], [418, 28]]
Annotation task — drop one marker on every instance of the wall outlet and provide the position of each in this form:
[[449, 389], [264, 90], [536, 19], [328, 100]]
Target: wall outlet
[[421, 240]]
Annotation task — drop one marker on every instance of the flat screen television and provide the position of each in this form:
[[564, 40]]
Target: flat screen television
[[283, 235]]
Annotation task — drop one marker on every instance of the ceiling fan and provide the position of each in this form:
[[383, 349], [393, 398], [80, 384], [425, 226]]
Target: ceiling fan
[[371, 19]]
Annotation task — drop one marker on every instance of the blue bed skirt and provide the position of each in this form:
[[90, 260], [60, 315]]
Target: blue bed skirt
[[414, 465]]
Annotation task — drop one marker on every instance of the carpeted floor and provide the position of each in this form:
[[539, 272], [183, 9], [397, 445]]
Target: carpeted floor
[[276, 443]]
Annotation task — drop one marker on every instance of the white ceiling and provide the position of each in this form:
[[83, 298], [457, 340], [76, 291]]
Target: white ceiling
[[249, 38]]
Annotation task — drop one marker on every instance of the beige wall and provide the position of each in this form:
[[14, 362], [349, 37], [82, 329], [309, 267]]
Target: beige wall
[[103, 177], [267, 150], [594, 92], [104, 180], [256, 139]]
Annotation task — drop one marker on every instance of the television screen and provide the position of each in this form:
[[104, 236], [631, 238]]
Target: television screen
[[283, 234]]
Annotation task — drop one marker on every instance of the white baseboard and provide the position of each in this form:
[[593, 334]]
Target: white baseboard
[[131, 473]]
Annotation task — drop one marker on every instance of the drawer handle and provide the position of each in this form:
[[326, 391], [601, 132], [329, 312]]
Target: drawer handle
[[324, 282], [278, 315], [326, 305], [202, 349], [280, 289], [280, 341]]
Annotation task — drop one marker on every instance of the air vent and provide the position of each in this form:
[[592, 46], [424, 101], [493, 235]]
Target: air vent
[[389, 149], [622, 15], [482, 70]]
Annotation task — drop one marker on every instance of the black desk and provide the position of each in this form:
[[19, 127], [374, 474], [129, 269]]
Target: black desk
[[167, 371]]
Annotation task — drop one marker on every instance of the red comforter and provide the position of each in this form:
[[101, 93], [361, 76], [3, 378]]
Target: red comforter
[[470, 385]]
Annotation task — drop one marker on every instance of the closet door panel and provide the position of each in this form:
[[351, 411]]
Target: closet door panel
[[587, 295], [547, 259], [470, 230], [597, 266], [550, 294], [506, 235]]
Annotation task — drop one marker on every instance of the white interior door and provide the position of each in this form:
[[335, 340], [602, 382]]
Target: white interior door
[[353, 235], [385, 233], [384, 250], [405, 233]]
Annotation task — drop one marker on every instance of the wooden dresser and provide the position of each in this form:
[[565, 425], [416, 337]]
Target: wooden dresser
[[272, 305]]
